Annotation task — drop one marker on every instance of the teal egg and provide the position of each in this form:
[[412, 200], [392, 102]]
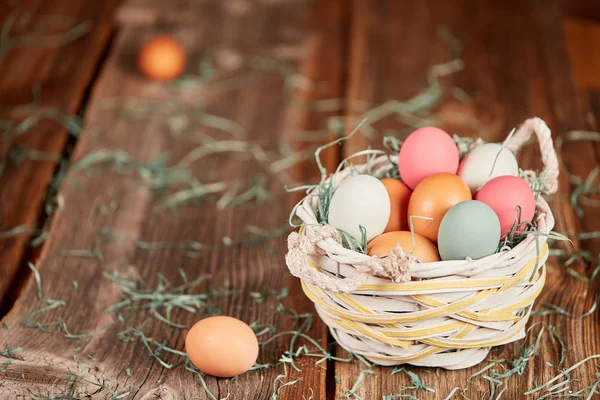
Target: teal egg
[[469, 229]]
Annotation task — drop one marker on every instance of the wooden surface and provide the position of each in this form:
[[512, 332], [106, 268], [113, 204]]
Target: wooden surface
[[521, 58], [61, 75]]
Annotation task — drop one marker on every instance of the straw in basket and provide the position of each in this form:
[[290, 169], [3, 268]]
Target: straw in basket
[[452, 312]]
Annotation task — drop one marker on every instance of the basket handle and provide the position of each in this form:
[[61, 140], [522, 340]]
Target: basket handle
[[549, 158]]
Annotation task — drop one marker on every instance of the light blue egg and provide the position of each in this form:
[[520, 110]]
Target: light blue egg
[[469, 229]]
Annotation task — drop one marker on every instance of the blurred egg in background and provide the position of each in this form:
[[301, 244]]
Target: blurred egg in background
[[162, 58]]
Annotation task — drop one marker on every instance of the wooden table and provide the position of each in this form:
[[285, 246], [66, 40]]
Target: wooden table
[[119, 232]]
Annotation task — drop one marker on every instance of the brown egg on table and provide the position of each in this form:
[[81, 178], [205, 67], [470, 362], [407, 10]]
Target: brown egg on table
[[422, 248], [221, 346], [432, 198], [399, 194], [162, 58]]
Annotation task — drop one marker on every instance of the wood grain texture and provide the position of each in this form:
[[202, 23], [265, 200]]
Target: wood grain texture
[[516, 66], [62, 75], [272, 117], [581, 9], [583, 36]]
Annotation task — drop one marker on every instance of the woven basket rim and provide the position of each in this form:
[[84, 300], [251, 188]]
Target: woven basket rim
[[307, 209]]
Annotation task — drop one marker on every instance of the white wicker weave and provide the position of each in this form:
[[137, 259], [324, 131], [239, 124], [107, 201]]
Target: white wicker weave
[[450, 313]]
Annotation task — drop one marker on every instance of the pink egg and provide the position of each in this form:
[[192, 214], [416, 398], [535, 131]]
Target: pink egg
[[503, 194], [425, 152]]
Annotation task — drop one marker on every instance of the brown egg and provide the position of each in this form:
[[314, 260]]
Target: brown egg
[[221, 346], [399, 194], [432, 198], [162, 58], [424, 249]]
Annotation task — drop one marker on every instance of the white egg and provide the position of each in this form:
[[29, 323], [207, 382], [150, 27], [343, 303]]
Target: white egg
[[486, 162], [361, 200]]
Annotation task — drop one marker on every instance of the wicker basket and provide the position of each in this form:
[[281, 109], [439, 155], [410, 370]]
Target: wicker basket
[[451, 312]]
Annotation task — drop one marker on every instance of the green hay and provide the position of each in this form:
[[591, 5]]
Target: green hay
[[583, 187], [89, 335], [195, 249], [351, 393], [94, 254], [154, 173], [52, 202], [10, 351], [550, 309], [577, 136], [134, 334], [110, 208], [17, 231], [279, 384], [39, 35], [21, 154], [400, 396], [267, 293], [564, 374], [70, 389], [198, 192], [52, 304], [415, 380], [519, 364], [34, 114], [162, 300]]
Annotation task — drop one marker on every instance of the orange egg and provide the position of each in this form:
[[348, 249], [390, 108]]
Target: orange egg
[[422, 248], [221, 346], [162, 58], [399, 194], [432, 198]]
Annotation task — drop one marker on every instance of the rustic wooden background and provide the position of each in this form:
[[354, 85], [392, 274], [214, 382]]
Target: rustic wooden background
[[522, 58]]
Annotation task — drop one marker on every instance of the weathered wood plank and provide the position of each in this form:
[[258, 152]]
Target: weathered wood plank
[[515, 67], [581, 9], [121, 217], [61, 74], [143, 12], [581, 36]]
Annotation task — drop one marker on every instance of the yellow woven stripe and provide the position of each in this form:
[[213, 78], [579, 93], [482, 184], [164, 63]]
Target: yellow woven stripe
[[459, 284], [353, 303], [528, 300], [392, 328], [501, 314], [426, 285], [474, 345], [377, 335], [456, 325], [480, 316], [525, 272], [373, 333], [388, 318], [349, 319], [433, 349], [505, 283], [405, 335]]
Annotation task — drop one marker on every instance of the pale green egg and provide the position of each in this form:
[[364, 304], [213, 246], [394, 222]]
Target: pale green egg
[[469, 229]]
